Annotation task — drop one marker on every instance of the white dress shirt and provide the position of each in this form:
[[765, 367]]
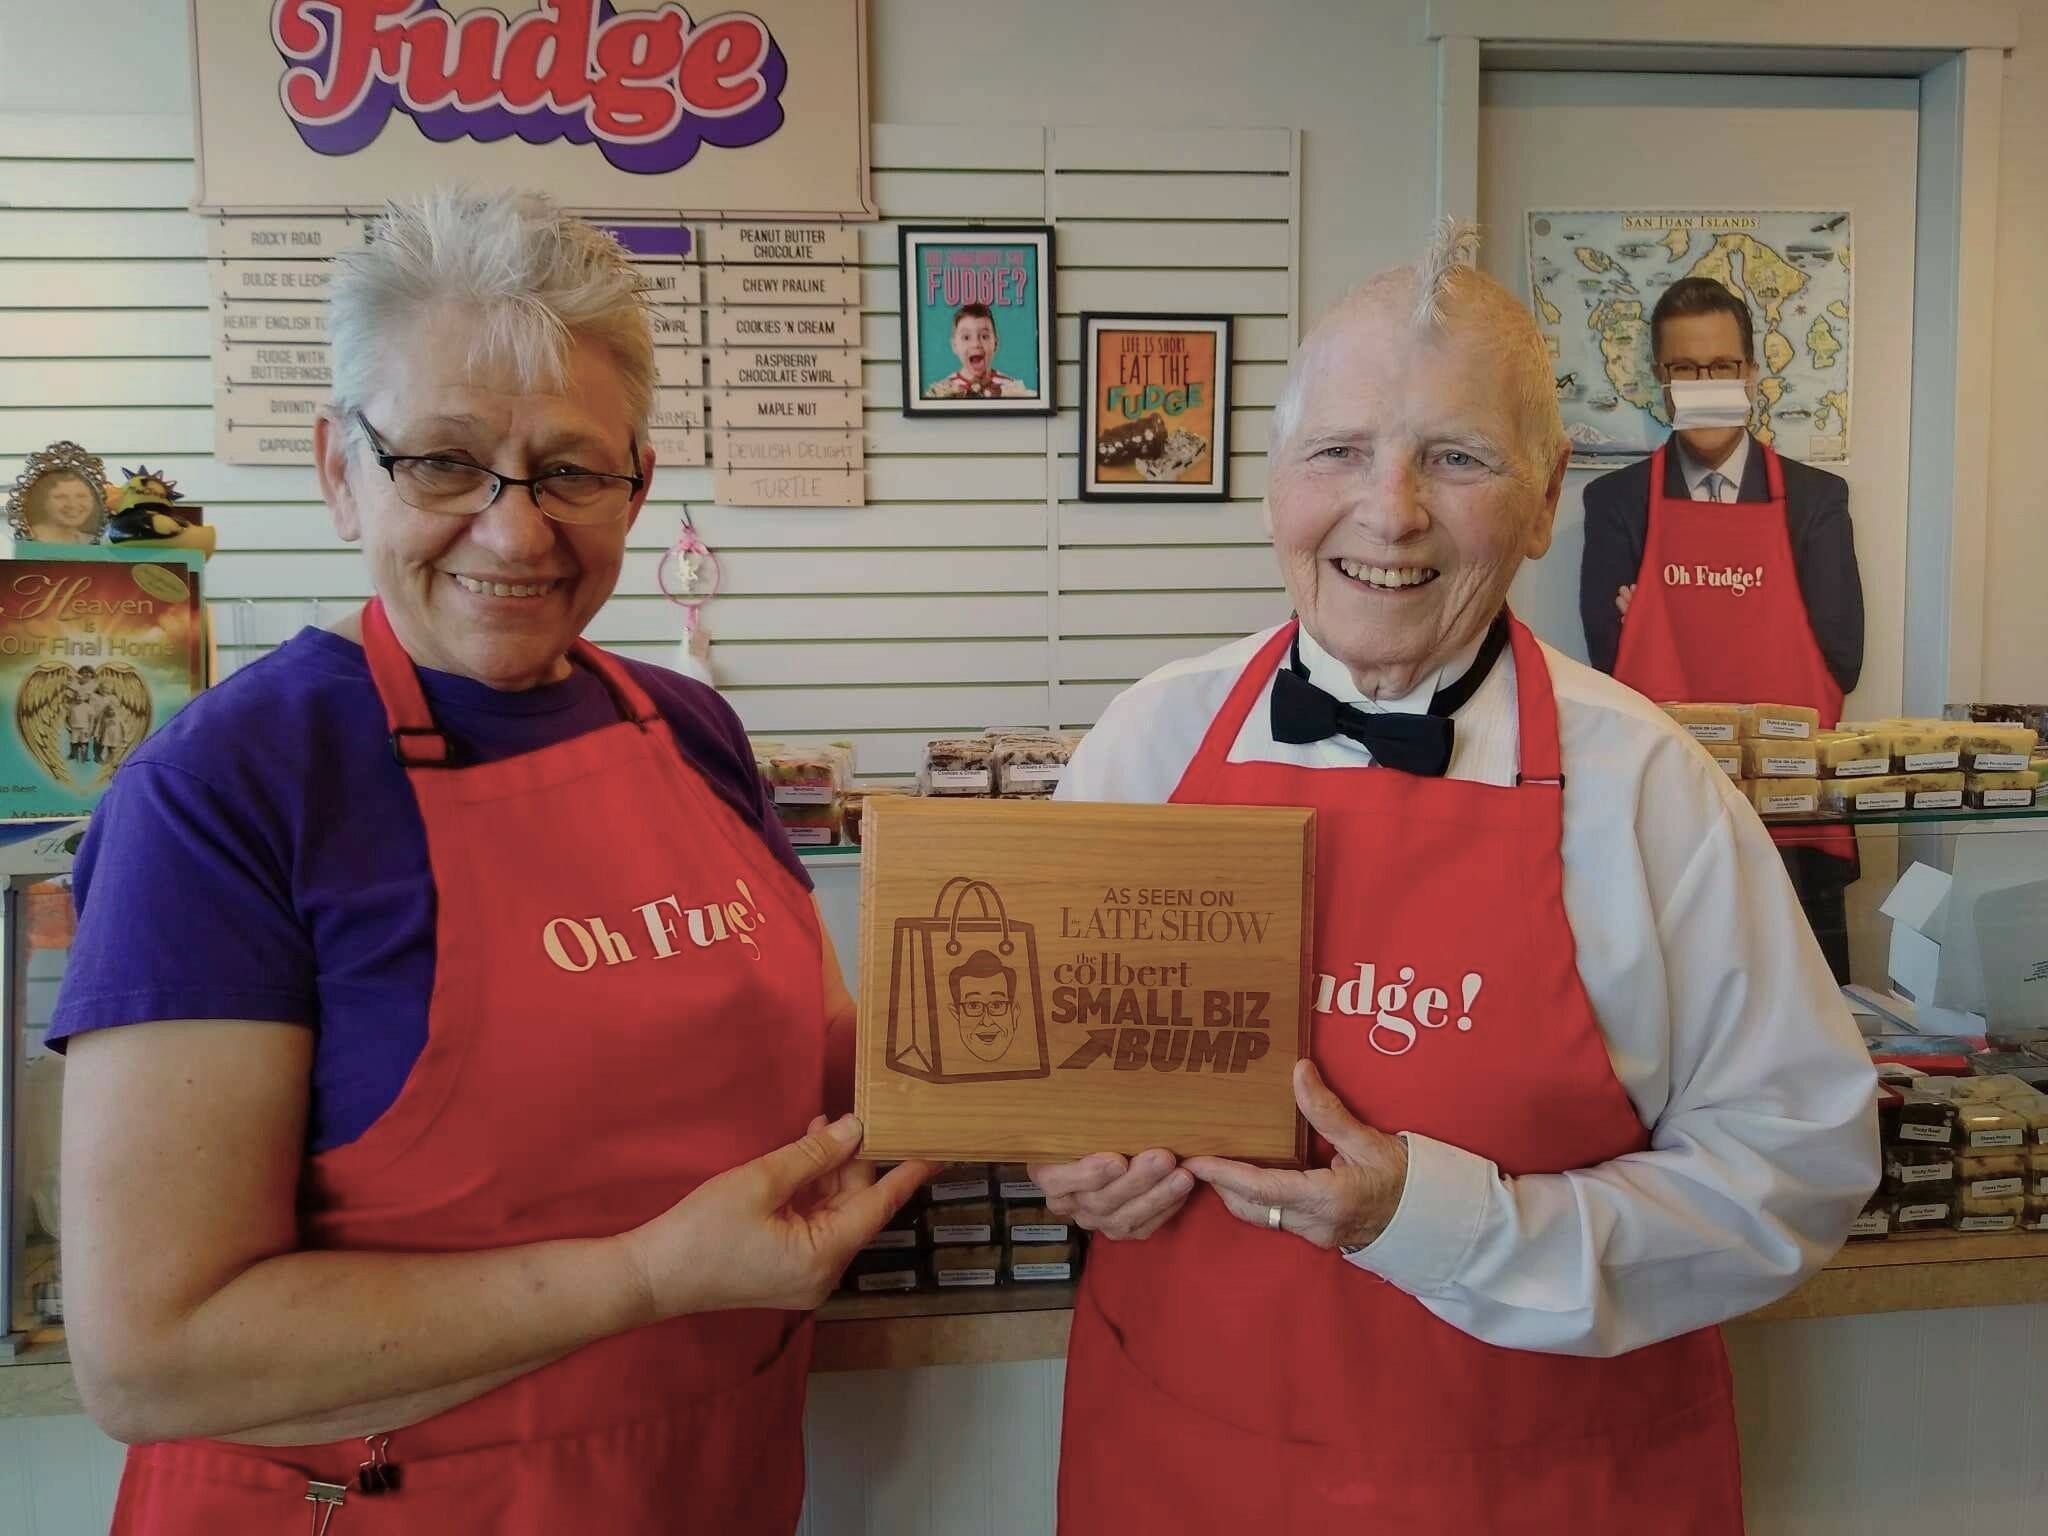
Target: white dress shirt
[[1724, 1025], [1730, 470]]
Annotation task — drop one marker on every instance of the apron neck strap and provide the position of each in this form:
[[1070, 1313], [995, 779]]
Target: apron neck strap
[[1774, 471], [1536, 705], [416, 741]]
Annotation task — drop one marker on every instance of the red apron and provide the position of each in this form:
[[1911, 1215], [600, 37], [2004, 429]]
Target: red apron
[[1222, 1378], [567, 1091], [1699, 642]]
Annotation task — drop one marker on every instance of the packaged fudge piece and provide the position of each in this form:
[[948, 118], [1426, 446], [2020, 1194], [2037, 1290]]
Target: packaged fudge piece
[[1926, 746], [1989, 1127], [1763, 758], [2036, 1218], [1851, 754], [1876, 1217], [1998, 748], [1987, 1085], [1013, 1182], [959, 1267], [1909, 1169], [2010, 1163], [855, 801], [1784, 797], [901, 1232], [810, 826], [808, 775], [961, 1221], [1708, 722], [1040, 1262], [1892, 792], [1918, 1215], [1028, 765], [1990, 1213], [1780, 722], [1888, 1101], [959, 1181], [2001, 791], [1727, 756], [959, 765], [874, 1271], [1926, 1120], [2032, 1109], [1034, 1224]]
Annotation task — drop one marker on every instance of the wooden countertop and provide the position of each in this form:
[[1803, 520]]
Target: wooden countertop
[[1903, 1274]]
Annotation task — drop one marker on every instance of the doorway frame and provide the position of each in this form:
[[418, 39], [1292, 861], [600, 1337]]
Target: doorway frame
[[1956, 51]]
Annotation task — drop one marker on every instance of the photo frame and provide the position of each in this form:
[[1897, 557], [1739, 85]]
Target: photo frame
[[60, 497], [977, 319], [1155, 407]]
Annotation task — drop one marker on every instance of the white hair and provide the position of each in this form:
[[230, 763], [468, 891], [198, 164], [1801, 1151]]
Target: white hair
[[531, 279], [1433, 280]]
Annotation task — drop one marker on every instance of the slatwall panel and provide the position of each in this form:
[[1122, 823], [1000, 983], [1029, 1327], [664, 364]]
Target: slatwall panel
[[973, 589]]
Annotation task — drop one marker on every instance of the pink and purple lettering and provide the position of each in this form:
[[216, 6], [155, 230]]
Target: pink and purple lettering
[[647, 87]]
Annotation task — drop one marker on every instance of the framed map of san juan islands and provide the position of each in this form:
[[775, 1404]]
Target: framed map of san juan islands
[[1047, 980]]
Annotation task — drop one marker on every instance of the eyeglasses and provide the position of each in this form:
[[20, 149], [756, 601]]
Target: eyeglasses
[[995, 1007], [458, 488], [1720, 368]]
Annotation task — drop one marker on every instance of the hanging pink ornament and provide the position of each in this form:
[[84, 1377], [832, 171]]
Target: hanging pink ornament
[[689, 576]]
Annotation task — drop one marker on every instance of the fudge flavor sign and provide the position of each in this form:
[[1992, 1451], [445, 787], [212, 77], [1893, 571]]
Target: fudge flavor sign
[[603, 104], [1156, 395], [1042, 979]]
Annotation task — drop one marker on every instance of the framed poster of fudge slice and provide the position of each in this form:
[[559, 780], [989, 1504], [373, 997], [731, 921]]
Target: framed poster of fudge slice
[[977, 319], [1155, 407]]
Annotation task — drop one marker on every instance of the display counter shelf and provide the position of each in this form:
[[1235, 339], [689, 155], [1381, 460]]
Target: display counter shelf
[[864, 1333]]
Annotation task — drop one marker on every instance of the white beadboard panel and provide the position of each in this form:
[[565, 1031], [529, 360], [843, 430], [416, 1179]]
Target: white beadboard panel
[[939, 593], [1075, 705], [840, 663], [50, 235], [935, 709], [78, 384], [1134, 570], [954, 147], [1141, 614], [1124, 660], [101, 284], [1164, 244], [1087, 195], [98, 136], [1171, 149], [112, 333], [1115, 522], [942, 196], [137, 184]]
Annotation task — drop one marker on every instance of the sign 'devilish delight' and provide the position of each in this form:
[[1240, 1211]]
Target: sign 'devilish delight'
[[746, 110], [1050, 980]]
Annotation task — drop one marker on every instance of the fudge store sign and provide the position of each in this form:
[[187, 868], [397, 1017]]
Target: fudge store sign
[[605, 104]]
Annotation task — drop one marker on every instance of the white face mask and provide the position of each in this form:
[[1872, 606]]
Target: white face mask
[[1708, 403]]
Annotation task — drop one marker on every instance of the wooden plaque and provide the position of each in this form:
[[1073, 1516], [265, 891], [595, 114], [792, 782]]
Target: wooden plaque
[[1043, 980]]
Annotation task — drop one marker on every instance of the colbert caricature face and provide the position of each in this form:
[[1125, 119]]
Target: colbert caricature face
[[984, 1005]]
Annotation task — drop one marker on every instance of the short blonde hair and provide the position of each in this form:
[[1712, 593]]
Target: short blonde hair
[[536, 280]]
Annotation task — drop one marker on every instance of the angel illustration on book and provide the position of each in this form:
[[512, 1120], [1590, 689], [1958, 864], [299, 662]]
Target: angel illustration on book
[[87, 716]]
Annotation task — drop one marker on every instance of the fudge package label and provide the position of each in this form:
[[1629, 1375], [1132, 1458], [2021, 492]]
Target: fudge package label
[[1048, 978], [94, 656]]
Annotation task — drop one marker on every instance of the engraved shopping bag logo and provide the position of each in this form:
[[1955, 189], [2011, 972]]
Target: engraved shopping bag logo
[[965, 1003]]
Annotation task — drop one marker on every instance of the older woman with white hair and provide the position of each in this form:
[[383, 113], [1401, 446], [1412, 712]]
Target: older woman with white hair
[[450, 1024], [1583, 1086]]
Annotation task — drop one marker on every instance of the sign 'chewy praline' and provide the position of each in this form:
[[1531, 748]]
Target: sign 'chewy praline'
[[1047, 980]]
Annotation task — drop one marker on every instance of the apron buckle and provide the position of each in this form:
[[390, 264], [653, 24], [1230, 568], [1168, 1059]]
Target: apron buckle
[[437, 752]]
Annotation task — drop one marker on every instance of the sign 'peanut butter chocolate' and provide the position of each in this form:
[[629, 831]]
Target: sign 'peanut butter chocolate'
[[1047, 980]]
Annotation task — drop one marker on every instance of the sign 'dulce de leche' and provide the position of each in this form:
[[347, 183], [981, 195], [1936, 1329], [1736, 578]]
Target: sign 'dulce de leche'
[[1048, 980]]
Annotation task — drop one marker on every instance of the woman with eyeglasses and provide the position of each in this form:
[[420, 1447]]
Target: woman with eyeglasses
[[451, 1028], [1721, 571]]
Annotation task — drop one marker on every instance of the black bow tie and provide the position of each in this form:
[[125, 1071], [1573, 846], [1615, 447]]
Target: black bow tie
[[1417, 744]]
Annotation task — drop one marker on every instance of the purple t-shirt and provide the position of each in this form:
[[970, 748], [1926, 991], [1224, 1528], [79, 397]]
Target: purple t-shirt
[[262, 857]]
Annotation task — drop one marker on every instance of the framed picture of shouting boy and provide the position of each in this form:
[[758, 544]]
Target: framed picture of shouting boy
[[977, 319]]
